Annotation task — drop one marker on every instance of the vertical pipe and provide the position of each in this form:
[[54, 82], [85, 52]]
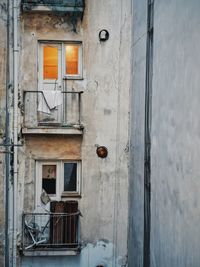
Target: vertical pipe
[[7, 140], [15, 128], [79, 109], [147, 129]]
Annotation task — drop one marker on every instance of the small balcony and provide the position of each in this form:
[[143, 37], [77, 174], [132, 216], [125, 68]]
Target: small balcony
[[50, 234], [58, 6], [52, 112]]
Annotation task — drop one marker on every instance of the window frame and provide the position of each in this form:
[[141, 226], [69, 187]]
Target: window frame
[[62, 68], [58, 45], [80, 61], [60, 193], [78, 178], [38, 182]]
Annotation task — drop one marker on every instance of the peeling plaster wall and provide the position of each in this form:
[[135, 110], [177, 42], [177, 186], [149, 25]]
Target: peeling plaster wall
[[3, 44], [105, 116], [41, 147]]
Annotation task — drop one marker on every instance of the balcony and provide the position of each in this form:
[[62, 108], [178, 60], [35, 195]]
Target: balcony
[[50, 234], [52, 112], [58, 6]]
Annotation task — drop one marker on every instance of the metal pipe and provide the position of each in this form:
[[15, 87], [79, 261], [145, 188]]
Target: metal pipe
[[79, 108], [15, 126], [147, 137], [7, 140], [63, 92]]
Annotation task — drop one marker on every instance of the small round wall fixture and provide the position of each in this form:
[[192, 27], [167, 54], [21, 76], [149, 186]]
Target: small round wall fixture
[[103, 35], [102, 151]]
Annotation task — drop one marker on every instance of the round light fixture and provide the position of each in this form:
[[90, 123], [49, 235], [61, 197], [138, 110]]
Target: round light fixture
[[102, 152], [103, 35]]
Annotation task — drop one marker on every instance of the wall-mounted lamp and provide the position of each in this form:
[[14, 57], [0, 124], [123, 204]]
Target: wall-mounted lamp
[[102, 151], [103, 35]]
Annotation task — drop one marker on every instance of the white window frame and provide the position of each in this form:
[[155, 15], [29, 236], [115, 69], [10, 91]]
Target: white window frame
[[61, 44], [60, 193], [78, 179], [80, 61], [41, 60], [38, 189]]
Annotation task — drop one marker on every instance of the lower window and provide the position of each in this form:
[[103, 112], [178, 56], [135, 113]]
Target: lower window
[[56, 179]]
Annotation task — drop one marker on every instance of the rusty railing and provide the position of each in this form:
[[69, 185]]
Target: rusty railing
[[40, 111], [45, 231]]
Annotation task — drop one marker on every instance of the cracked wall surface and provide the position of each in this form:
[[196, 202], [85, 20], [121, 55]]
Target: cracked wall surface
[[105, 117]]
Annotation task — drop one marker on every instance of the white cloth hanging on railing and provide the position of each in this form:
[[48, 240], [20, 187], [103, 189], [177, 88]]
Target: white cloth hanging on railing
[[49, 100]]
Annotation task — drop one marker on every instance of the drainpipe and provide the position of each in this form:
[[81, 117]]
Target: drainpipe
[[7, 141], [15, 124], [147, 139]]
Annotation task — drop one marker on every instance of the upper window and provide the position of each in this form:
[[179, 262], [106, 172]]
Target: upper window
[[50, 62], [61, 60], [72, 59]]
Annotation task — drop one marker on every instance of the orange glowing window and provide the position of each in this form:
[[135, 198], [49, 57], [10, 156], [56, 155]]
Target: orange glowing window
[[50, 63], [72, 62]]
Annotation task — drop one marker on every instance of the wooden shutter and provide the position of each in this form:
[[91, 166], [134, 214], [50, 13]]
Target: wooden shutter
[[57, 222], [71, 223]]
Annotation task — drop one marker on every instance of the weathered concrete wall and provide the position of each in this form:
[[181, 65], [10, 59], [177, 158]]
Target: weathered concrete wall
[[137, 111], [105, 108], [3, 50], [175, 135], [43, 147], [92, 254]]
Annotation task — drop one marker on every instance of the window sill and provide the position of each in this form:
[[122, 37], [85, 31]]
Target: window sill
[[73, 78], [70, 195], [51, 252], [52, 130]]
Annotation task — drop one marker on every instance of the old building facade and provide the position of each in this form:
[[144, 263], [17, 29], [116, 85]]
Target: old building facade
[[99, 133]]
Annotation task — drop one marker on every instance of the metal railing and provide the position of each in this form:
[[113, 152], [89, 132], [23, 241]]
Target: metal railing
[[43, 110], [44, 2], [59, 5], [43, 231], [71, 3]]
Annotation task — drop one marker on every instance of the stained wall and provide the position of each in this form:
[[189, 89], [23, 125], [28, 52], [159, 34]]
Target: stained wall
[[105, 117]]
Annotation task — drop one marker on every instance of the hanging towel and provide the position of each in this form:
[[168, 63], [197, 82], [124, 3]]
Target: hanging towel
[[49, 100]]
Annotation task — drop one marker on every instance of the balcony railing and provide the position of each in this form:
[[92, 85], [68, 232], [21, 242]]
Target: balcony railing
[[53, 5], [44, 231], [52, 108]]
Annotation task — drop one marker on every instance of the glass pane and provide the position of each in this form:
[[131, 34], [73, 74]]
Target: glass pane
[[70, 176], [72, 59], [49, 179], [50, 63]]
